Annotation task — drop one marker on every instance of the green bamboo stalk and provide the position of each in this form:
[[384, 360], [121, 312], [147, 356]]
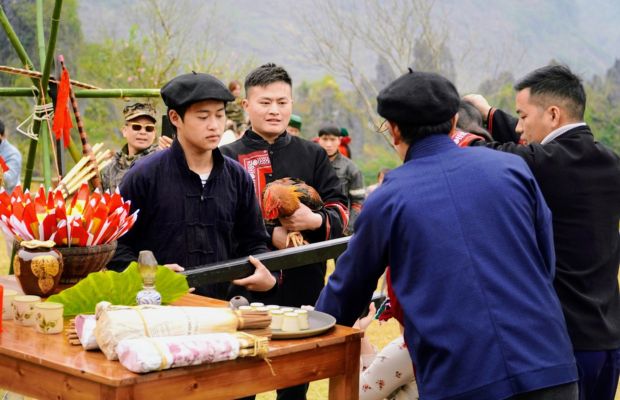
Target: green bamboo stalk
[[36, 127], [116, 93], [83, 93], [44, 136], [18, 92], [19, 48]]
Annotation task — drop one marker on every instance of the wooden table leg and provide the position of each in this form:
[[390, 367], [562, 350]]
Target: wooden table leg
[[346, 386]]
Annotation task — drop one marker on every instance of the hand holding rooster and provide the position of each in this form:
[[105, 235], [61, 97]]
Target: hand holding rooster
[[293, 203]]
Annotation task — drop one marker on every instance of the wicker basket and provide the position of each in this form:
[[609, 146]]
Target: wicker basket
[[81, 261]]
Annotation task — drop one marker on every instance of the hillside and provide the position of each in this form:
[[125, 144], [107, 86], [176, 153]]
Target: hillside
[[496, 36]]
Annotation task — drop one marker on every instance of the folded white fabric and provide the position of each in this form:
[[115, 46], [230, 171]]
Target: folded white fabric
[[115, 323], [150, 354], [85, 329]]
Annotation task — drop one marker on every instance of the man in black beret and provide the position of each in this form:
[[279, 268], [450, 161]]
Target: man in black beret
[[196, 206], [468, 238]]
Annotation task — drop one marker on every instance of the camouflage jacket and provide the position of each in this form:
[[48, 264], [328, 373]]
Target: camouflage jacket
[[113, 173], [352, 183]]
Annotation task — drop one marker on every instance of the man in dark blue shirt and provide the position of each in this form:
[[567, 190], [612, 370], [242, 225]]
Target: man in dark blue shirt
[[196, 206], [467, 236]]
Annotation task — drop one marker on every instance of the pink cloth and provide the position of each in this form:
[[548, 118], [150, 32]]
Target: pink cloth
[[151, 354]]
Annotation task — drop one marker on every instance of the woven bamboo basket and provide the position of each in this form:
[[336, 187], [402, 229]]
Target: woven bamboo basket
[[81, 261]]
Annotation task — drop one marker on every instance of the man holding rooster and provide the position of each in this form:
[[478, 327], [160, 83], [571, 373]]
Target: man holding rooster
[[269, 153]]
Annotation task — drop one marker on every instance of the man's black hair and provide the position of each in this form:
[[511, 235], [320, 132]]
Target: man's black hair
[[265, 75], [330, 130], [1, 128], [411, 134], [181, 110], [556, 82]]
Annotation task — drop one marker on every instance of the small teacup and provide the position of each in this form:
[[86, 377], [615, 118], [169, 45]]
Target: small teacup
[[23, 309], [290, 322], [48, 317], [7, 303]]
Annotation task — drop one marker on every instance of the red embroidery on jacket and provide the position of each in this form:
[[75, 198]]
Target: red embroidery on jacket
[[258, 165]]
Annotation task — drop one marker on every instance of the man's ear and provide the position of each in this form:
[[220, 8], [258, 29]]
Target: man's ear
[[555, 112], [245, 103], [174, 117], [395, 132], [454, 121]]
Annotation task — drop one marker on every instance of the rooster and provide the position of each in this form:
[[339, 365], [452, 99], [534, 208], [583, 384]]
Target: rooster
[[282, 197]]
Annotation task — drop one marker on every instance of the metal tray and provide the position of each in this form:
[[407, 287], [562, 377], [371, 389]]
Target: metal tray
[[318, 322]]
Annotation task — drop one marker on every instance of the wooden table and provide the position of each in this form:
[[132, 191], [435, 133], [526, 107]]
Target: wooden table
[[47, 367]]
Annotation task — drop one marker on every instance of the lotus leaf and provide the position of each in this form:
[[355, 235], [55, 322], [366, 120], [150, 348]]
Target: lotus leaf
[[117, 288]]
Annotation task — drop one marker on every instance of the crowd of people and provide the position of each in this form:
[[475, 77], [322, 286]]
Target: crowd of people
[[499, 233]]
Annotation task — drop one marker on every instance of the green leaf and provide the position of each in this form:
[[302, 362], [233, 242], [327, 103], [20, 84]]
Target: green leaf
[[118, 288]]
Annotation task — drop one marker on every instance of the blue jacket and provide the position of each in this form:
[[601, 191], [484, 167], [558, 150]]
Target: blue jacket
[[182, 222], [13, 159], [467, 235]]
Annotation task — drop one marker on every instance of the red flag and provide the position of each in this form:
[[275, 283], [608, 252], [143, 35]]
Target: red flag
[[62, 118], [3, 166]]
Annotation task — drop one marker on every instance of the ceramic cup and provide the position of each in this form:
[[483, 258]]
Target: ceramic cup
[[23, 309], [48, 317], [302, 316], [290, 322], [7, 303], [276, 319]]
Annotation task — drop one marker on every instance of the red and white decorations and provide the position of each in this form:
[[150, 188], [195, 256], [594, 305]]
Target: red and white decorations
[[89, 219]]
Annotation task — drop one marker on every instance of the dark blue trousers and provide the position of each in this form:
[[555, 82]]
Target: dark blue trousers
[[598, 374]]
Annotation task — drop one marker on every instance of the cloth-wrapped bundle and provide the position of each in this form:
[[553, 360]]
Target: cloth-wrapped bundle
[[115, 323], [151, 354]]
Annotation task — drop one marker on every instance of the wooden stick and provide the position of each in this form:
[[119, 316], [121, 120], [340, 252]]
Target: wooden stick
[[37, 74]]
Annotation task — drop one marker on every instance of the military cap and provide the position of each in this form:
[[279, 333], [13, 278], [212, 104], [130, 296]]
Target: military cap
[[418, 99], [194, 87], [136, 110], [295, 121]]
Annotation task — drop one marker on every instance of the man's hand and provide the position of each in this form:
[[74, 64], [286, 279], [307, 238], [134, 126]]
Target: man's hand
[[278, 237], [164, 142], [174, 267], [260, 281], [478, 101], [177, 268], [304, 219]]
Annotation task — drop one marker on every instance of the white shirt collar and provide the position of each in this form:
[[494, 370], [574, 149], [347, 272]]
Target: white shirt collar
[[560, 131]]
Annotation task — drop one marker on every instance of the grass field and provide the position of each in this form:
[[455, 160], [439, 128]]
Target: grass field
[[378, 334]]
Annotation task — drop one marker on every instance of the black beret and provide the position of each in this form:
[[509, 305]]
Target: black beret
[[418, 99], [191, 88]]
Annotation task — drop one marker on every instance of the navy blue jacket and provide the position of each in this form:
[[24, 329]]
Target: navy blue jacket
[[467, 235], [182, 222]]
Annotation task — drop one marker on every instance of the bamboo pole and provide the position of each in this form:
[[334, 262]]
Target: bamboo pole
[[44, 134], [87, 149], [37, 74], [83, 94], [19, 48], [36, 127], [116, 93], [18, 92]]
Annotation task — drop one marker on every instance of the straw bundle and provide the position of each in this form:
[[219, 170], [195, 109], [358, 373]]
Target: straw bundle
[[85, 169], [115, 323]]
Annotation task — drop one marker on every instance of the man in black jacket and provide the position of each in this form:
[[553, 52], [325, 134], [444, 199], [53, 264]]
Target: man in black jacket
[[196, 206], [580, 179], [268, 153]]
